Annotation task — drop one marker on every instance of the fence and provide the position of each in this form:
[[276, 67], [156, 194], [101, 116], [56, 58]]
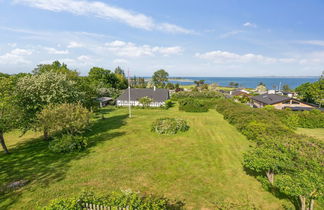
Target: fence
[[89, 206]]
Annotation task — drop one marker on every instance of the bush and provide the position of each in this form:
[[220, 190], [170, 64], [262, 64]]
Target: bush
[[120, 199], [65, 118], [68, 143], [168, 104], [169, 126], [190, 105]]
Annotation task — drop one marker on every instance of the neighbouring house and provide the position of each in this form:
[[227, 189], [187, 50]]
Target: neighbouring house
[[240, 92], [104, 101], [279, 102], [158, 95]]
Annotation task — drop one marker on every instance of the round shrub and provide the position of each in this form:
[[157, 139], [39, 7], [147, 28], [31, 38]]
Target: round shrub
[[68, 143], [169, 126]]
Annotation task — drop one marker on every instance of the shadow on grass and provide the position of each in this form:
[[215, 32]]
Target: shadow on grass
[[272, 189], [31, 160]]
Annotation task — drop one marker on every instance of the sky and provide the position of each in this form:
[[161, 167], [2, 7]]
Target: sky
[[215, 38]]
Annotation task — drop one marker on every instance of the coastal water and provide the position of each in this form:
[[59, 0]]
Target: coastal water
[[248, 82]]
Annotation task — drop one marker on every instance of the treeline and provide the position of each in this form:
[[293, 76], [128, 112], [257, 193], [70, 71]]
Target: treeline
[[282, 160]]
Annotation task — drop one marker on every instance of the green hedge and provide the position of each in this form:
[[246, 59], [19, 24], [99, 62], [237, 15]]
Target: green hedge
[[120, 199], [169, 126], [192, 105], [196, 95], [256, 124]]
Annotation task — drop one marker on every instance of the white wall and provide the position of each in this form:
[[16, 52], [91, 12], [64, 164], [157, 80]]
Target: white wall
[[137, 103]]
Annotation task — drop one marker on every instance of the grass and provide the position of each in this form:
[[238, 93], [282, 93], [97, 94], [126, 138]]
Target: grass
[[314, 132], [199, 167]]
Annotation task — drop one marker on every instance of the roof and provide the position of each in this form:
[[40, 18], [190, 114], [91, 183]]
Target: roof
[[104, 99], [270, 98], [158, 95]]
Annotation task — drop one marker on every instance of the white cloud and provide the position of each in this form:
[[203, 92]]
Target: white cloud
[[249, 24], [74, 45], [15, 56], [120, 61], [313, 42], [222, 57], [105, 11], [229, 34], [54, 51], [129, 49]]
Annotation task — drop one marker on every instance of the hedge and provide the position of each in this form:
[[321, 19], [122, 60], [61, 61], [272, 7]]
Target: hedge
[[196, 95], [119, 199], [256, 124], [191, 105]]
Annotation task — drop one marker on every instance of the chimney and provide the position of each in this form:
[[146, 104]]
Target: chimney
[[154, 88]]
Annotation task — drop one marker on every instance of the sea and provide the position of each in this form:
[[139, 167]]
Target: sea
[[248, 82]]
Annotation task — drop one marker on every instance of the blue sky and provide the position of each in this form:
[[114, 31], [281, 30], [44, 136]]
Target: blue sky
[[184, 37]]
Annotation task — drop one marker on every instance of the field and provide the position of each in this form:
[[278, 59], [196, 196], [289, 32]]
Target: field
[[199, 167]]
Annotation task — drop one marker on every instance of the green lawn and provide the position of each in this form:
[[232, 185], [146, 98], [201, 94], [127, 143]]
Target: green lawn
[[314, 132], [199, 167]]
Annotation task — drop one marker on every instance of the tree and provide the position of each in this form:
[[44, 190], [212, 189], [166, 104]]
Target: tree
[[66, 118], [234, 84], [9, 113], [268, 159], [145, 101], [101, 77], [312, 92], [199, 82], [57, 67], [119, 70], [286, 88], [160, 77], [304, 185], [35, 92], [170, 86]]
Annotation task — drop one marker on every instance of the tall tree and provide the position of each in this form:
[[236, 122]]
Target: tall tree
[[119, 70], [9, 114], [57, 67], [286, 88], [160, 77], [101, 77]]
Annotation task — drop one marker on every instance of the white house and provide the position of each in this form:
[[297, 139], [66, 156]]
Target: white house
[[159, 96]]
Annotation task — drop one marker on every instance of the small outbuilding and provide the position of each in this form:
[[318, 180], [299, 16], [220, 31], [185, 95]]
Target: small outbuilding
[[104, 101], [158, 96]]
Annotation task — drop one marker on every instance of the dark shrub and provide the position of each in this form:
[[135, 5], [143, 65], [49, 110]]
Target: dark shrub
[[191, 105], [169, 126], [168, 104], [68, 143], [120, 199]]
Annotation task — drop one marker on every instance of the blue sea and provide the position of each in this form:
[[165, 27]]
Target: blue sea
[[250, 82]]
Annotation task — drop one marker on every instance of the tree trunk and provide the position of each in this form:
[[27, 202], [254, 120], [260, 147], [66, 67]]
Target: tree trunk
[[3, 144], [270, 176], [45, 134], [311, 204], [302, 202]]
